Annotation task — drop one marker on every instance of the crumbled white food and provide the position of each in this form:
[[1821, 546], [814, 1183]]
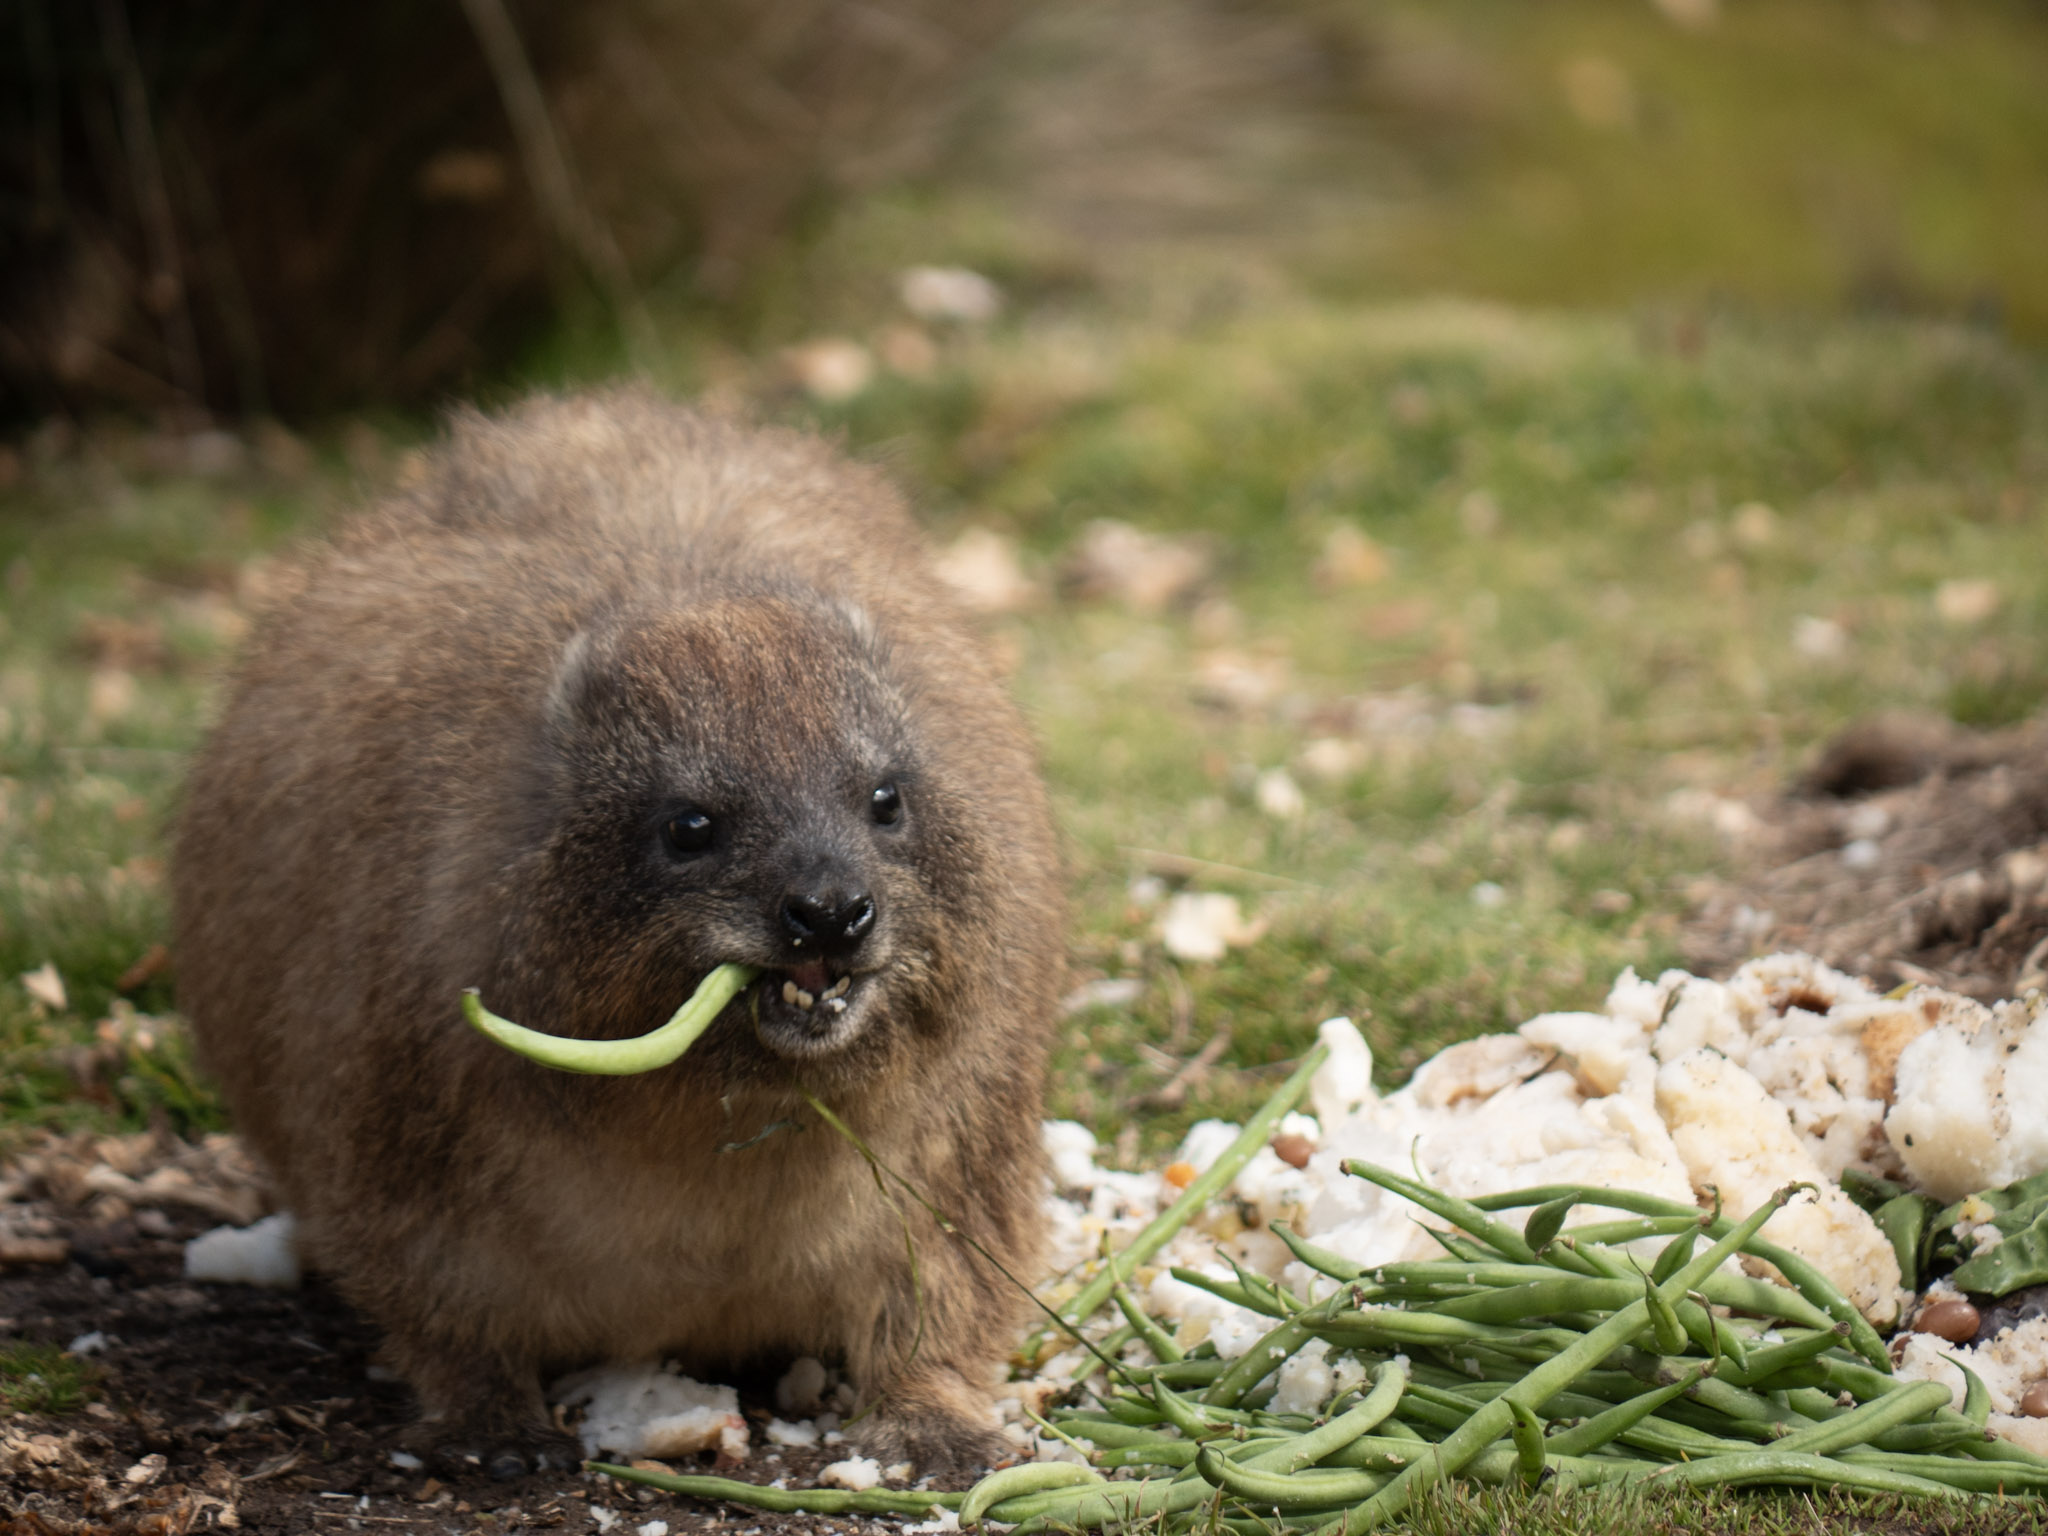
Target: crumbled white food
[[2007, 1364], [1969, 1112], [1204, 925], [651, 1410], [1597, 1047], [858, 1473], [1641, 1002], [264, 1254], [803, 1432], [942, 1523], [1070, 1148], [1344, 1081], [1306, 1380], [405, 1461], [1206, 1141], [87, 1344], [1735, 1138]]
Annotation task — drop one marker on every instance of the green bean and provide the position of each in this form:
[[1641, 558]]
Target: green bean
[[1971, 1476], [1777, 1466], [1862, 1382], [1872, 1418], [796, 1501], [1505, 1304], [1544, 1223], [1426, 1273], [1155, 1338], [1209, 1182], [1618, 1420], [1468, 1215], [1919, 1439], [641, 1053], [1124, 1504], [1766, 1298], [1387, 1452], [1544, 1381], [1180, 1413], [1770, 1360], [1232, 1291], [1016, 1482], [1739, 1404], [1107, 1432], [1316, 1489], [1672, 1255], [1976, 1397], [1390, 1381], [1459, 1246], [1180, 1373], [1113, 1341], [1665, 1330], [1159, 1453], [1335, 1265], [1419, 1408], [1277, 1296], [1268, 1354], [1527, 1433], [1798, 1272], [1614, 1233]]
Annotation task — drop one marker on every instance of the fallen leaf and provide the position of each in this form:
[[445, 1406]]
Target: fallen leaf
[[1146, 571], [831, 368], [45, 986], [1204, 925], [982, 568]]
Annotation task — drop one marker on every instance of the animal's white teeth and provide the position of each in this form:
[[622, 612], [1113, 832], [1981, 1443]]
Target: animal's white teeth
[[803, 998], [789, 992], [836, 1004], [838, 988]]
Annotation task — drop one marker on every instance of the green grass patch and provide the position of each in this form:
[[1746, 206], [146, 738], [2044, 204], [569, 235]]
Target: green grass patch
[[1614, 577], [41, 1378]]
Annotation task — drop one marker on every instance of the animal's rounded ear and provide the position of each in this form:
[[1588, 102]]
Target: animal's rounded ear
[[581, 679]]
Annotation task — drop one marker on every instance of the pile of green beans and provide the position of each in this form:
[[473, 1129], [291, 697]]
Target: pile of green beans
[[1530, 1355]]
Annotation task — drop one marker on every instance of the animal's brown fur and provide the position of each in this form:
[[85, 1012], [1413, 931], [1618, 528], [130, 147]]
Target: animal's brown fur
[[446, 763]]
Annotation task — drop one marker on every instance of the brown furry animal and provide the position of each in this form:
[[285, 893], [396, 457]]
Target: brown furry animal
[[617, 693]]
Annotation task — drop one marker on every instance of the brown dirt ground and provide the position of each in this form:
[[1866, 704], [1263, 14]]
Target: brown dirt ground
[[1912, 851], [231, 1407]]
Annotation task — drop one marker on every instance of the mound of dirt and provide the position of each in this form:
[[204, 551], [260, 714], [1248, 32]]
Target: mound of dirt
[[1912, 851]]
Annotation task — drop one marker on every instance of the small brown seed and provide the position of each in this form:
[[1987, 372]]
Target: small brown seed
[[1293, 1149], [2034, 1401], [1951, 1318]]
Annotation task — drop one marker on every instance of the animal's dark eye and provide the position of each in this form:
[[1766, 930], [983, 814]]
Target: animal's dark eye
[[887, 804], [688, 832]]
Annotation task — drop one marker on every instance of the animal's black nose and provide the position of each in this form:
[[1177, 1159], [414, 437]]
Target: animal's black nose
[[828, 919]]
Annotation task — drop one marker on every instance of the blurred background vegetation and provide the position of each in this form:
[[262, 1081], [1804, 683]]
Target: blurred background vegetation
[[1427, 465], [250, 207]]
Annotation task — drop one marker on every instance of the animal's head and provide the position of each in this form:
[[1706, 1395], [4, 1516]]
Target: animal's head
[[745, 781]]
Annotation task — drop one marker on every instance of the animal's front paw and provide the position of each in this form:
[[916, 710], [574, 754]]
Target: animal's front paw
[[464, 1451], [938, 1440]]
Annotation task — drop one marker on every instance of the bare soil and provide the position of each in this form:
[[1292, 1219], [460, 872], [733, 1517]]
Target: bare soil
[[1912, 851]]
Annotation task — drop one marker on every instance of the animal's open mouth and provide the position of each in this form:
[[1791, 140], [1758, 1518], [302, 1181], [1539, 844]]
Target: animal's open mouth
[[812, 987]]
